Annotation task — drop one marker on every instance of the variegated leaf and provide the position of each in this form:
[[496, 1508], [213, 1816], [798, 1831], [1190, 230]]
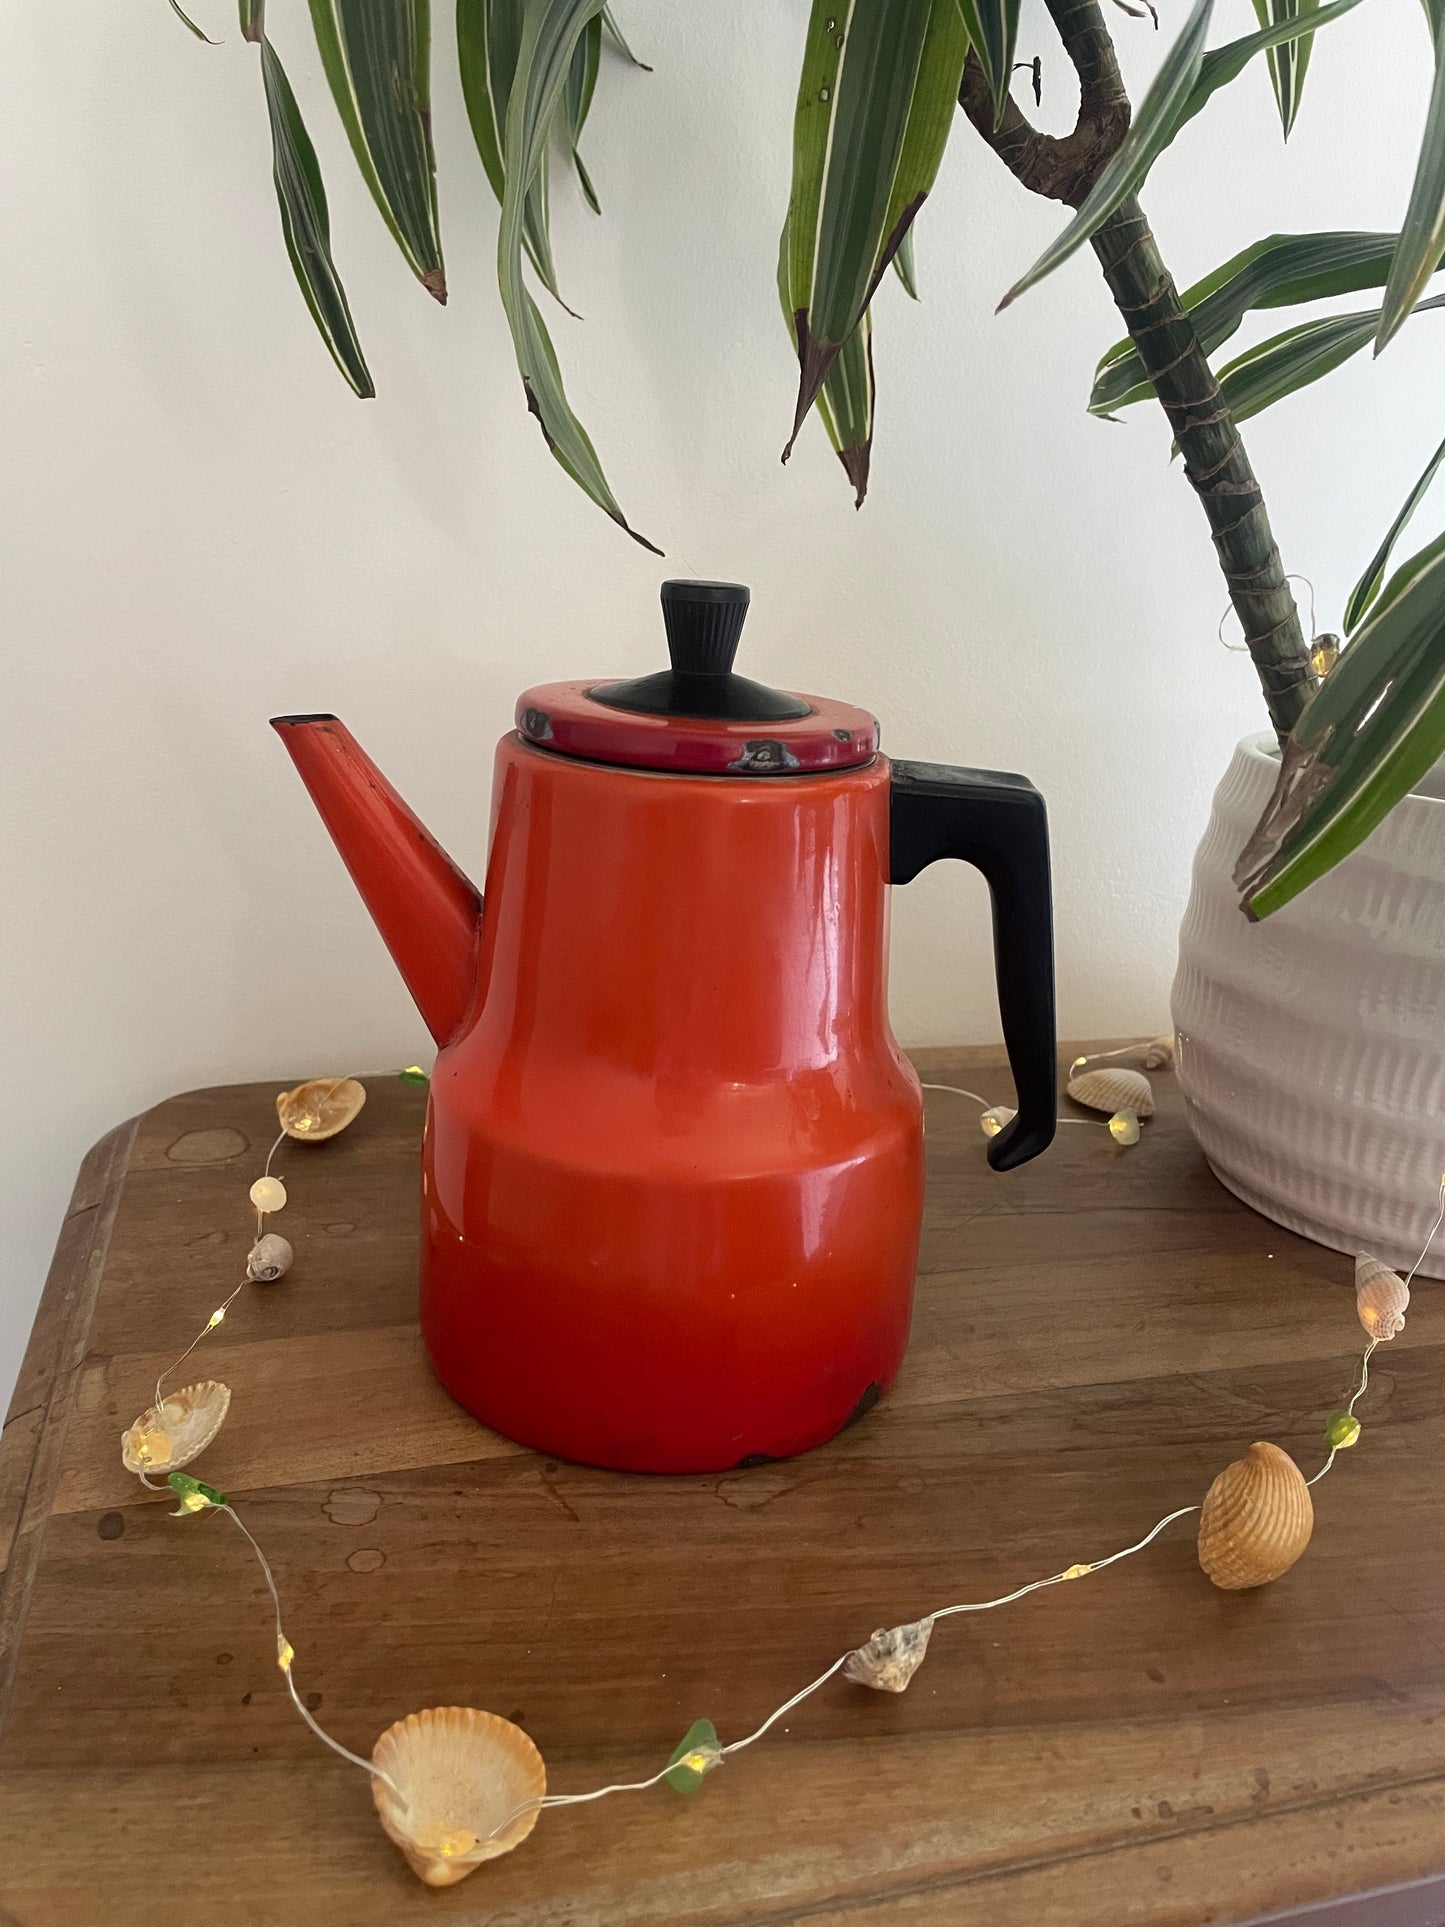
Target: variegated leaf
[[306, 225], [550, 32], [378, 60], [876, 101]]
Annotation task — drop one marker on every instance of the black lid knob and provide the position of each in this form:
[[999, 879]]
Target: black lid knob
[[704, 621]]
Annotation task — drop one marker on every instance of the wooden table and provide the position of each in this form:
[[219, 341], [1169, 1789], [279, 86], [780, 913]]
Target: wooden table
[[1096, 1335]]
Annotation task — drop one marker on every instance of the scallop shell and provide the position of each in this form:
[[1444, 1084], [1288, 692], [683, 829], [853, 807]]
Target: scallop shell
[[177, 1431], [1381, 1297], [890, 1658], [320, 1107], [1256, 1519], [270, 1259], [1113, 1089], [461, 1776]]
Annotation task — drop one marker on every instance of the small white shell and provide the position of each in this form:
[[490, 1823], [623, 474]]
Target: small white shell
[[270, 1259], [1159, 1053], [1113, 1090], [891, 1657], [1381, 1297], [463, 1776], [993, 1121], [167, 1438]]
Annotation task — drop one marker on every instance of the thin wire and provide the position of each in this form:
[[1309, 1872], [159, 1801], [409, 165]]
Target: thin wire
[[212, 1322], [958, 1091], [1240, 648], [1439, 1220], [210, 1325], [283, 1644], [788, 1705], [1058, 1578]]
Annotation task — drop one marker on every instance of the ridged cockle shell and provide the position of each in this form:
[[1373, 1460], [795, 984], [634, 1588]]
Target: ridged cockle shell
[[170, 1435], [1112, 1088], [1256, 1519], [467, 1787]]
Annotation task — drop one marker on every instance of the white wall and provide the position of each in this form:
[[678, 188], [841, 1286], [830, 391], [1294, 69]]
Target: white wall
[[202, 527]]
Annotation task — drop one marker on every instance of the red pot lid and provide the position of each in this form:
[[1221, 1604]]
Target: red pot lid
[[698, 715]]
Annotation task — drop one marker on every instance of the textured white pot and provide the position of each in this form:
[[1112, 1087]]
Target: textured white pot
[[1312, 1045]]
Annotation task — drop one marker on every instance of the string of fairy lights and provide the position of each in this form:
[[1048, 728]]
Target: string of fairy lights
[[454, 1786]]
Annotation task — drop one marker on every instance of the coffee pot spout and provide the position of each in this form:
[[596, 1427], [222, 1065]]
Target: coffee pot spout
[[428, 913]]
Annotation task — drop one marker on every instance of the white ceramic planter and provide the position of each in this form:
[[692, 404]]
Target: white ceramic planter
[[1312, 1045]]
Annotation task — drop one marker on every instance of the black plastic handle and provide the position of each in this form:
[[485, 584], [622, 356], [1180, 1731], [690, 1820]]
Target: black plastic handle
[[998, 823]]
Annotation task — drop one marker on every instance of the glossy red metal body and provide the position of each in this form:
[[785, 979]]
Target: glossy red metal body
[[673, 1170]]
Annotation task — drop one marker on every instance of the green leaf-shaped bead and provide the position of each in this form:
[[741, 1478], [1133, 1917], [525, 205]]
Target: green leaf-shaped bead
[[1341, 1430], [694, 1757]]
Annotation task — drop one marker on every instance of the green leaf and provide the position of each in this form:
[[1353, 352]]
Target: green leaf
[[1159, 118], [1368, 586], [993, 29], [489, 38], [377, 59], [253, 19], [1294, 23], [1365, 740], [615, 36], [179, 11], [1290, 361], [1291, 56], [903, 265], [306, 225], [1422, 234], [1281, 271], [845, 403], [876, 100], [550, 32], [577, 100]]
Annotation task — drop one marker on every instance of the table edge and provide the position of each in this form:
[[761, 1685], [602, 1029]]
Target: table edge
[[33, 1435]]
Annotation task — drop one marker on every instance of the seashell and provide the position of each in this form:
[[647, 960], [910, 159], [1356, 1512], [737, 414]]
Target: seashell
[[891, 1657], [1381, 1297], [179, 1430], [992, 1122], [460, 1779], [270, 1259], [320, 1107], [1158, 1053], [1114, 1089], [1256, 1519]]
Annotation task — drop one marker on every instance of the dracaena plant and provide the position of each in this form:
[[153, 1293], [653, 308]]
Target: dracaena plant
[[882, 86]]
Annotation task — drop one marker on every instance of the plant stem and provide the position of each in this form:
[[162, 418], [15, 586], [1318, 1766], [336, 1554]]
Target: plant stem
[[1215, 460]]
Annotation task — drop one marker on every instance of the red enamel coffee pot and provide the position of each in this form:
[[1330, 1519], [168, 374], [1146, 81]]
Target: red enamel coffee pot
[[672, 1180]]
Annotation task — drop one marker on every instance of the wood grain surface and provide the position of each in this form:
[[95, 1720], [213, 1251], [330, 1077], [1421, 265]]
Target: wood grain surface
[[1096, 1335]]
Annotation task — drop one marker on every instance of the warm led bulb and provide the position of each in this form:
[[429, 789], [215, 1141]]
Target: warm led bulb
[[215, 1318], [285, 1652], [1324, 655], [1124, 1127], [268, 1194], [461, 1841], [1077, 1572], [992, 1122]]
